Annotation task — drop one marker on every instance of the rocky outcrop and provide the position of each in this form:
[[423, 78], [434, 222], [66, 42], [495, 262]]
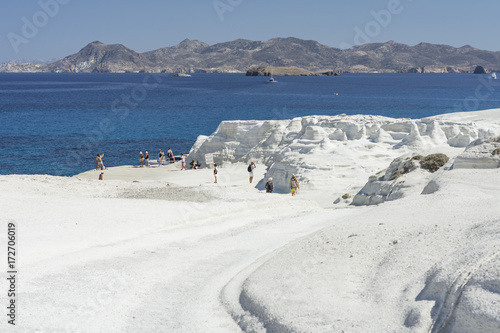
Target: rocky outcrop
[[480, 154], [279, 71], [286, 71], [240, 55], [399, 179], [479, 70], [330, 73]]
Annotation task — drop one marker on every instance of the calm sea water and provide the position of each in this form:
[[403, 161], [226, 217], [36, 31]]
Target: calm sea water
[[57, 123]]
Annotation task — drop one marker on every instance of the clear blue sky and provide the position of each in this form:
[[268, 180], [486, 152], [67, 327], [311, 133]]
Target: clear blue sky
[[147, 25]]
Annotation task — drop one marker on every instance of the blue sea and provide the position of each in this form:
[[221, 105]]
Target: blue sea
[[56, 123]]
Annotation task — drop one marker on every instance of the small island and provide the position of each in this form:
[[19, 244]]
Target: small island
[[285, 71]]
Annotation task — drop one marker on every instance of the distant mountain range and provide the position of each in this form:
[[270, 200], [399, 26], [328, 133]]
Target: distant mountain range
[[241, 55]]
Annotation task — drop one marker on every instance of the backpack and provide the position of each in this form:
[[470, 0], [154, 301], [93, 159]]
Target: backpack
[[249, 168]]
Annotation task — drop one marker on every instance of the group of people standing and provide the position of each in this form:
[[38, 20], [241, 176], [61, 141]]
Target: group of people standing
[[144, 161], [293, 185], [269, 187], [144, 158]]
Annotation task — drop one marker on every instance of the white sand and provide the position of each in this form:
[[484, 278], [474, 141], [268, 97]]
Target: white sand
[[163, 250]]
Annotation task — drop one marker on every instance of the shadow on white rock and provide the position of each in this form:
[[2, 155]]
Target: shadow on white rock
[[466, 286]]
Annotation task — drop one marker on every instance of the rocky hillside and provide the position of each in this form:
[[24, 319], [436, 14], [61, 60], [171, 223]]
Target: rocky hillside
[[241, 55], [99, 57]]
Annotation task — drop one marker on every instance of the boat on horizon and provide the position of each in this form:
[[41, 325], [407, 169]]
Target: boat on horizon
[[181, 75]]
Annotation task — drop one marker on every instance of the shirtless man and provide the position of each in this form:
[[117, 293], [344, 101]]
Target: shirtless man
[[98, 161]]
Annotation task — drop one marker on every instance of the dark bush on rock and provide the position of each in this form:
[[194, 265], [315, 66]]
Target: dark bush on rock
[[433, 162]]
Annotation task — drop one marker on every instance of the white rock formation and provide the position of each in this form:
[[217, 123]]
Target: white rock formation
[[480, 154], [388, 185], [404, 176], [330, 146]]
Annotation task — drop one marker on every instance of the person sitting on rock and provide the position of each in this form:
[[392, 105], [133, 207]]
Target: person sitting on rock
[[269, 186]]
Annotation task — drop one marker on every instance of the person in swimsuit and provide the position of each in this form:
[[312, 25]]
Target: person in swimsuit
[[99, 163], [141, 159], [101, 176], [97, 160], [215, 173], [294, 185], [183, 162], [146, 157], [161, 158], [170, 155]]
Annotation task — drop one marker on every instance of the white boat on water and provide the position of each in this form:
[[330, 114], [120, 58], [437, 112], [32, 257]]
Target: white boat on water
[[494, 76], [181, 75], [272, 79]]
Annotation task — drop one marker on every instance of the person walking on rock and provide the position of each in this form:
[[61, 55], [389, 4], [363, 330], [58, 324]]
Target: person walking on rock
[[294, 185], [269, 186], [183, 162], [250, 170]]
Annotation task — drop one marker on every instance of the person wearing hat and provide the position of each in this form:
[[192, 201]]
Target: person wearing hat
[[146, 159], [294, 185], [269, 185], [141, 158]]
